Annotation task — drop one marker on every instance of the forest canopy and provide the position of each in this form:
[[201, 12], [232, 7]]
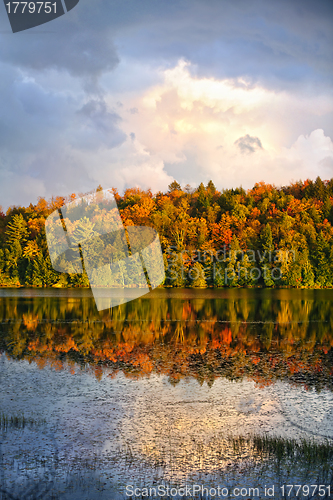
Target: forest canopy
[[265, 236]]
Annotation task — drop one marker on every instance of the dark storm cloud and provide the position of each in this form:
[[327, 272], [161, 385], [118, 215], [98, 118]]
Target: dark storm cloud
[[42, 132], [31, 117], [54, 78], [97, 126], [248, 144], [77, 42], [276, 41]]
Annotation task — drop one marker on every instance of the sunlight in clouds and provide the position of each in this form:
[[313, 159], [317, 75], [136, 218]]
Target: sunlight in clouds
[[225, 130], [219, 94]]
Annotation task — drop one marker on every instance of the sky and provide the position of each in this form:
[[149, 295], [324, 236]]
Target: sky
[[128, 93]]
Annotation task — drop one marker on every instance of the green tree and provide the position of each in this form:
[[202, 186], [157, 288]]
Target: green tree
[[175, 270], [248, 273], [196, 276], [174, 186], [2, 260], [233, 263], [211, 187], [266, 256], [321, 258], [319, 189], [17, 230]]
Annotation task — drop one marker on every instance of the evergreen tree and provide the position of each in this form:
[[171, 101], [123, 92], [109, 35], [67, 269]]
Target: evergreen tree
[[2, 260], [174, 186], [233, 263], [40, 272], [219, 274], [308, 277], [17, 230], [322, 252], [266, 255], [197, 276], [248, 274], [211, 187], [13, 255], [319, 189], [293, 222], [175, 271]]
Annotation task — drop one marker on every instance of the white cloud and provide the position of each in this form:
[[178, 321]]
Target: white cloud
[[187, 127], [311, 149], [128, 165], [191, 125]]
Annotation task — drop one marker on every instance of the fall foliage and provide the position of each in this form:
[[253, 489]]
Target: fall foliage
[[269, 236]]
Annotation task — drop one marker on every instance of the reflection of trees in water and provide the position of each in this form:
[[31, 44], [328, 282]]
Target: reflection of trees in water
[[204, 338]]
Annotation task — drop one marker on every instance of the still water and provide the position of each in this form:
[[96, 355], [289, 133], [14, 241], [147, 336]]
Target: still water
[[171, 389]]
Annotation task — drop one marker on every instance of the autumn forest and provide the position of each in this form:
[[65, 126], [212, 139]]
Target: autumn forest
[[266, 236]]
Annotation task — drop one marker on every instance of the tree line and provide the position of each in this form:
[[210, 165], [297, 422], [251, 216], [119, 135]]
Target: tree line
[[265, 236]]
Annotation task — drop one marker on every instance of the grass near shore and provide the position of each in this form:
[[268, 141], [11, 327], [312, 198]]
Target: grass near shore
[[18, 421], [256, 459]]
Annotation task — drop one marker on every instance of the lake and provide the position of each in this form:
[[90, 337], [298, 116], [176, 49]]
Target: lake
[[225, 391]]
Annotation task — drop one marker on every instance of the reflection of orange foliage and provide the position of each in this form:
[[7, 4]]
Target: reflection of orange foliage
[[66, 346], [190, 346], [37, 347], [293, 368], [98, 372], [226, 336], [181, 360], [41, 362], [30, 321], [143, 360], [104, 354], [262, 382]]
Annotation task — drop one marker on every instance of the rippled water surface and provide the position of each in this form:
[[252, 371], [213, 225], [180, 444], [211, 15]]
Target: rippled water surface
[[160, 389]]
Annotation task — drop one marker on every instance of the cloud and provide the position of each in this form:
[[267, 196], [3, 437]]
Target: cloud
[[74, 49], [277, 43], [19, 188], [185, 127], [248, 144], [97, 127], [42, 135], [121, 94], [191, 124], [311, 151]]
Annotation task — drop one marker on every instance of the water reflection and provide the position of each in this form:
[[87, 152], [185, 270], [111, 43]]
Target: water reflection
[[193, 368], [143, 431], [264, 335]]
